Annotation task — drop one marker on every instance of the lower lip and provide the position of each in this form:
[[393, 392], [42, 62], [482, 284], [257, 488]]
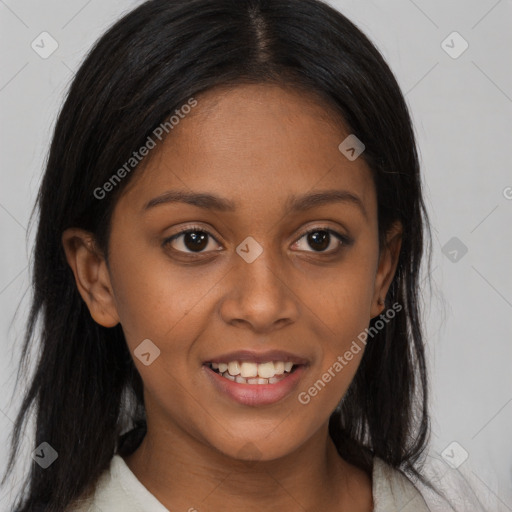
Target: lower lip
[[256, 394]]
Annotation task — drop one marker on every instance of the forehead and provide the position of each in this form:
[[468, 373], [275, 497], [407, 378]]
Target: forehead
[[258, 144]]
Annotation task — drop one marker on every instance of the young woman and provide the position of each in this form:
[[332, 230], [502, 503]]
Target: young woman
[[226, 271]]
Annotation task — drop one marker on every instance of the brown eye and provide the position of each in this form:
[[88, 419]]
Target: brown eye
[[320, 239], [191, 240]]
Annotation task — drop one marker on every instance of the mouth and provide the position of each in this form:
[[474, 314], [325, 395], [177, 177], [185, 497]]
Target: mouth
[[248, 372], [255, 379]]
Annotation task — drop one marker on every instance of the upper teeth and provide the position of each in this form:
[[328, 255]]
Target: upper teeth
[[248, 369]]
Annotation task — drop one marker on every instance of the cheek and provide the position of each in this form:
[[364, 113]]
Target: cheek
[[339, 359], [343, 306], [343, 297], [158, 300]]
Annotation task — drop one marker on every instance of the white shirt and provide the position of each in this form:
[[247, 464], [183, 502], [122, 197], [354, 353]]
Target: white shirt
[[119, 490]]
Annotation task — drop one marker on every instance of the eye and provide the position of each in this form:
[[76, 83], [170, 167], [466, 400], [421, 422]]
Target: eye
[[190, 240], [196, 240], [320, 239]]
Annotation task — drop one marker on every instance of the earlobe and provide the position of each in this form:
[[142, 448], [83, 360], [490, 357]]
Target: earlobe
[[91, 275], [388, 261]]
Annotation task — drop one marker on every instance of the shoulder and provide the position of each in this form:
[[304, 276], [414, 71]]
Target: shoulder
[[451, 489], [392, 490], [118, 490], [106, 491]]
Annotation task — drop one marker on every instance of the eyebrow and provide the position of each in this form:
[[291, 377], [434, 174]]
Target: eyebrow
[[294, 203], [323, 197], [201, 200]]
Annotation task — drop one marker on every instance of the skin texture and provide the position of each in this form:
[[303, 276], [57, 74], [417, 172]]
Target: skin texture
[[255, 145]]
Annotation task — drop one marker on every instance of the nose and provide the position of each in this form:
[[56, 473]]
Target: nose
[[260, 295]]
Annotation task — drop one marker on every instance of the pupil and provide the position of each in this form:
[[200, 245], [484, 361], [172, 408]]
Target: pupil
[[322, 239], [195, 241]]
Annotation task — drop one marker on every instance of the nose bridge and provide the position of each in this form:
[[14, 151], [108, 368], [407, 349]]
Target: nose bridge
[[259, 294], [260, 276]]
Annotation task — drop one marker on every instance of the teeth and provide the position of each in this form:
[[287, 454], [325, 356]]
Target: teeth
[[234, 368], [248, 369], [253, 373], [252, 380], [279, 368], [266, 370]]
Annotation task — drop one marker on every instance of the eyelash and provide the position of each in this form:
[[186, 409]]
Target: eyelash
[[345, 241]]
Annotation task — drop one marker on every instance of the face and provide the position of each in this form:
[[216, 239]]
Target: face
[[277, 261]]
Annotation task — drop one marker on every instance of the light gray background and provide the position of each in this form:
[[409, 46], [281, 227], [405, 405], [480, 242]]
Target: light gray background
[[462, 113]]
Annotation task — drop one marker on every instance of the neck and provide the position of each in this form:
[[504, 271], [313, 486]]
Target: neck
[[185, 474]]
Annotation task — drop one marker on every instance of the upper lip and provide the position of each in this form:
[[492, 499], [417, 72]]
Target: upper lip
[[258, 357]]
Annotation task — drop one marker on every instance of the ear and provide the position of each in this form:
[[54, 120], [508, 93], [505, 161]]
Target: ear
[[91, 275], [388, 261]]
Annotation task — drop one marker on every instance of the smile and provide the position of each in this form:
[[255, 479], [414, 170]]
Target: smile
[[246, 372], [255, 390]]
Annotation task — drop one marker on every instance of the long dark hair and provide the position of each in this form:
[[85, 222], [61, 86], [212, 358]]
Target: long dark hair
[[85, 391]]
